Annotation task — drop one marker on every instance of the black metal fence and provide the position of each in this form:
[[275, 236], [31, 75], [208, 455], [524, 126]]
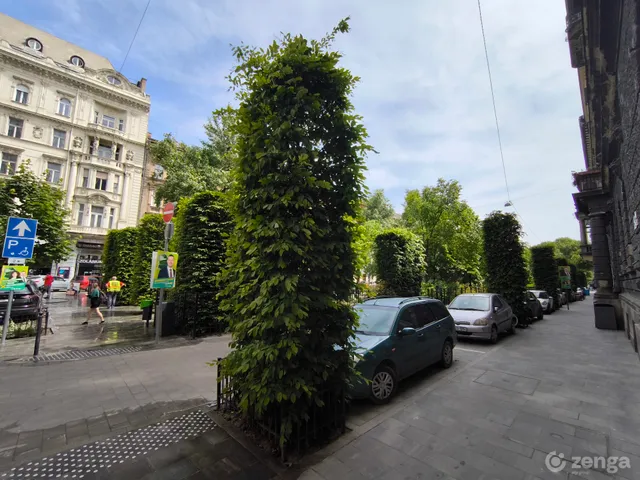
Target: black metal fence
[[323, 423], [197, 314]]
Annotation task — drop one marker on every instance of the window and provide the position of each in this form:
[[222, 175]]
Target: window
[[77, 61], [54, 172], [9, 164], [97, 213], [118, 152], [80, 214], [152, 198], [22, 95], [85, 178], [104, 151], [108, 121], [497, 303], [101, 180], [439, 311], [15, 127], [116, 184], [375, 320], [477, 303], [408, 319], [121, 125], [113, 80], [64, 107], [34, 43], [112, 216], [96, 117], [59, 138]]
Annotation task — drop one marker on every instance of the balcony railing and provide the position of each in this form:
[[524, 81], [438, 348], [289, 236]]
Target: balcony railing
[[88, 230], [588, 181], [102, 128], [103, 162], [88, 192]]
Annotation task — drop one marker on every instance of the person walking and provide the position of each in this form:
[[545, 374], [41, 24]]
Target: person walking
[[113, 289], [48, 285], [95, 297]]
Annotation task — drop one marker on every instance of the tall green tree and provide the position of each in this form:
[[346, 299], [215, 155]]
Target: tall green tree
[[194, 169], [399, 257], [378, 208], [299, 184], [24, 194], [569, 249], [118, 259], [449, 229], [506, 269], [149, 238], [545, 271]]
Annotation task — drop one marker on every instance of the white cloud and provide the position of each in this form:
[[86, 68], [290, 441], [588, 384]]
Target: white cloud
[[424, 92]]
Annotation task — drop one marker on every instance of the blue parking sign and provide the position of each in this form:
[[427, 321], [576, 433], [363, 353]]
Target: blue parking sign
[[20, 238]]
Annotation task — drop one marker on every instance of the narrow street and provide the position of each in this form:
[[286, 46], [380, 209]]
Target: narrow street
[[559, 386]]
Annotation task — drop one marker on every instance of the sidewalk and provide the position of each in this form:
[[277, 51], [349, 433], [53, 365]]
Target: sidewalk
[[559, 386]]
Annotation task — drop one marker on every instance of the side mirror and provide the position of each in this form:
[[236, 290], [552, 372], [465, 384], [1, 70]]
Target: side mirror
[[407, 331], [495, 309]]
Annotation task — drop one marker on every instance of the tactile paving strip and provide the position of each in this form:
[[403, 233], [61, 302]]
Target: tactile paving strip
[[90, 458], [81, 354]]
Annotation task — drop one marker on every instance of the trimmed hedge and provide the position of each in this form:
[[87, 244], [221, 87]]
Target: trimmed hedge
[[203, 224], [150, 238], [545, 271], [400, 265], [118, 259], [506, 268]]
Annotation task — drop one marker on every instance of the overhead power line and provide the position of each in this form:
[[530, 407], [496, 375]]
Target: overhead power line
[[495, 115], [134, 36]]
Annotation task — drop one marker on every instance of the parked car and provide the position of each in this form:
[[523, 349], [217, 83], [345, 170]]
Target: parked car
[[545, 300], [27, 303], [60, 284], [482, 315], [398, 337], [563, 298], [534, 306], [579, 294]]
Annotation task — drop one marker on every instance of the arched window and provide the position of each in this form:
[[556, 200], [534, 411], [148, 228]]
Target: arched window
[[34, 43], [113, 80], [77, 61], [64, 107], [22, 94]]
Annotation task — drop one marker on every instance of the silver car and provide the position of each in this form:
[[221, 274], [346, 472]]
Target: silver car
[[545, 300], [482, 315]]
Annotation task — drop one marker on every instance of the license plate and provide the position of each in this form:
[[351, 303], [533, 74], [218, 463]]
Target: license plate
[[462, 329]]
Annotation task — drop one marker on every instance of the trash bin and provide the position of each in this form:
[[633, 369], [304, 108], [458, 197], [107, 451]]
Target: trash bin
[[147, 308]]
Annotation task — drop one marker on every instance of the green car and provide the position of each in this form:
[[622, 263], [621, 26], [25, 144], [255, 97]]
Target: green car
[[398, 337]]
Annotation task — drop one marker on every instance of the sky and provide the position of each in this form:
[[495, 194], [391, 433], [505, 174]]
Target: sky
[[424, 92]]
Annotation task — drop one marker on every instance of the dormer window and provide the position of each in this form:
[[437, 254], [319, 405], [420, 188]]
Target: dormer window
[[77, 61], [113, 80], [34, 43]]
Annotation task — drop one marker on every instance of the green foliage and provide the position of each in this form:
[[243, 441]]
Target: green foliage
[[36, 198], [150, 237], [364, 245], [581, 279], [399, 257], [506, 269], [569, 249], [450, 231], [545, 271], [203, 224], [298, 186], [378, 208], [118, 259]]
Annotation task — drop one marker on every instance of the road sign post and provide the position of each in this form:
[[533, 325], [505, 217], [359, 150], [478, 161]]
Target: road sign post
[[167, 215], [19, 241]]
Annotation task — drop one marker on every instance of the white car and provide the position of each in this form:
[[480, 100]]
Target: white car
[[545, 300], [60, 284]]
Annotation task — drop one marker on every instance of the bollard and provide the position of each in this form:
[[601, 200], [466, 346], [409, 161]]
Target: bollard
[[36, 347], [46, 321]]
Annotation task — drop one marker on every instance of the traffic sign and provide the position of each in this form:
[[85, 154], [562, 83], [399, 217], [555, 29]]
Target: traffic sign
[[167, 212], [20, 238]]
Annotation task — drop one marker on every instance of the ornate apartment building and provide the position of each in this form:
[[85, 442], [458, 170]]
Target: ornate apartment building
[[79, 122]]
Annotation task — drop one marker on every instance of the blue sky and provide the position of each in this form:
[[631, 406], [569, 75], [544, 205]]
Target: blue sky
[[424, 93]]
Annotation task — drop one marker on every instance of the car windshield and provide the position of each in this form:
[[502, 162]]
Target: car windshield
[[470, 302], [543, 295], [375, 320]]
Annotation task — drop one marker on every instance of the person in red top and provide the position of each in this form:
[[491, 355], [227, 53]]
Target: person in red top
[[48, 284]]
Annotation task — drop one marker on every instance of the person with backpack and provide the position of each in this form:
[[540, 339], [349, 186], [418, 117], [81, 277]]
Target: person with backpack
[[95, 298]]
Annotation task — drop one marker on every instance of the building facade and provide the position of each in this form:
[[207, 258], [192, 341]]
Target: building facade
[[604, 40], [80, 123], [153, 176]]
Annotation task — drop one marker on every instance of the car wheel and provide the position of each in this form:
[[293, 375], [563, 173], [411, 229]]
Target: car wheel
[[494, 334], [514, 325], [446, 359], [383, 384]]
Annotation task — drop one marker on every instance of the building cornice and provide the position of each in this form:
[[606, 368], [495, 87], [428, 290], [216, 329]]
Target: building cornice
[[69, 78]]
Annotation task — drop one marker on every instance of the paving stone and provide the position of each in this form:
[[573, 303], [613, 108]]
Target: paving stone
[[506, 381], [54, 444]]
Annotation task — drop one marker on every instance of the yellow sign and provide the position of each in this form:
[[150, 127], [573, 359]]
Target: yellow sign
[[163, 269], [13, 277]]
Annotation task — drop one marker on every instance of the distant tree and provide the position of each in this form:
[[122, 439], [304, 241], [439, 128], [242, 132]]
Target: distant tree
[[399, 256], [506, 269], [449, 229], [24, 194], [545, 271], [378, 208]]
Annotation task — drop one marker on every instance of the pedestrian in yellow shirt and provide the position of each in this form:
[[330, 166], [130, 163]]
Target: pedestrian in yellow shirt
[[113, 289]]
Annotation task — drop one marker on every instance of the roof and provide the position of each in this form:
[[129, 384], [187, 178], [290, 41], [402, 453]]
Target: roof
[[16, 33], [476, 294], [394, 301]]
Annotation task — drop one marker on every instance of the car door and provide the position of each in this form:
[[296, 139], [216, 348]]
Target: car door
[[408, 347], [500, 313], [440, 328]]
